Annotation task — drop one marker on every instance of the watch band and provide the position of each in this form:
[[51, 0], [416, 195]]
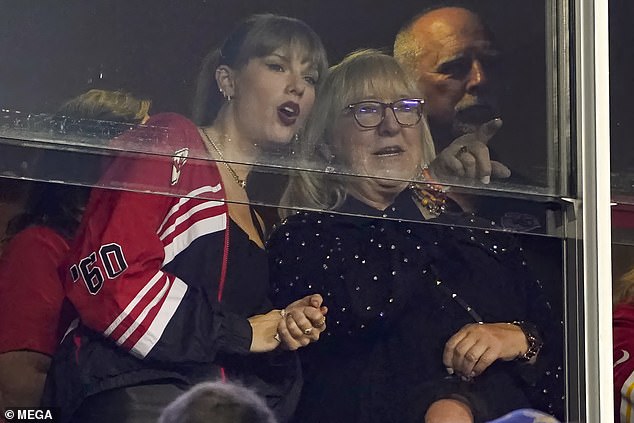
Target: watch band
[[533, 338]]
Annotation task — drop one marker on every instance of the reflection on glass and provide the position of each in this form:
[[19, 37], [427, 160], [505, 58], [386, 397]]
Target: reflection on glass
[[466, 168]]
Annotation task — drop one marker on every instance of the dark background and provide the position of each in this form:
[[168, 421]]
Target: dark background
[[621, 96], [52, 51]]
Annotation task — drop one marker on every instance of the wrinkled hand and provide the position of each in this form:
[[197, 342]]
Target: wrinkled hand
[[303, 322], [476, 346], [468, 157]]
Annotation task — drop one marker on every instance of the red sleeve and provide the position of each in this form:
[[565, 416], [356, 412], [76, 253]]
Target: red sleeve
[[623, 216], [114, 274], [33, 310]]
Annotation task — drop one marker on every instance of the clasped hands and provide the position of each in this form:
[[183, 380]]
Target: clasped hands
[[296, 326], [472, 349]]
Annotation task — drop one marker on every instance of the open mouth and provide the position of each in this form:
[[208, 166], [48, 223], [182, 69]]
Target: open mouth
[[389, 151], [288, 113]]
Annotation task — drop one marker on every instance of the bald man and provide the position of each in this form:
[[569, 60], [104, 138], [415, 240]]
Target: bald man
[[451, 54]]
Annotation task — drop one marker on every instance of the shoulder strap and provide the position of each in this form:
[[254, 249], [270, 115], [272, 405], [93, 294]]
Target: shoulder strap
[[256, 223]]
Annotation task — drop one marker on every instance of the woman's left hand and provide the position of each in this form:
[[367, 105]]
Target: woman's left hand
[[476, 346]]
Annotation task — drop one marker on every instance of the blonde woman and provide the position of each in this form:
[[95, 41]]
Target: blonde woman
[[434, 323]]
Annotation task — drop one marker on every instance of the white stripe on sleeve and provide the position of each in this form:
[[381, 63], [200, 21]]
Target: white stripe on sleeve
[[156, 329], [126, 312], [137, 322], [206, 205], [183, 240], [185, 199]]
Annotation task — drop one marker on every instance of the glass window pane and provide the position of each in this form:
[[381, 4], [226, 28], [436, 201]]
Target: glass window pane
[[502, 94]]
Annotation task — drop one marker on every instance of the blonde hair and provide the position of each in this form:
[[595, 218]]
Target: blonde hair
[[407, 49], [623, 290], [359, 73], [119, 106]]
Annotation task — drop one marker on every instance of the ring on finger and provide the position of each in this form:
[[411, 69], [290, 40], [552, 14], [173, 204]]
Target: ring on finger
[[307, 331], [321, 322], [462, 150]]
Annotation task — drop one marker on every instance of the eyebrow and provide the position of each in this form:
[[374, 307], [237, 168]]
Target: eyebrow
[[453, 58], [490, 52], [305, 61]]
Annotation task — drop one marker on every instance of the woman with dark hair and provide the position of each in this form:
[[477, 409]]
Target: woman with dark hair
[[33, 311], [427, 322], [172, 290]]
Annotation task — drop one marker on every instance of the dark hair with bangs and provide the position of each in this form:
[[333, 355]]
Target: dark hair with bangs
[[256, 36]]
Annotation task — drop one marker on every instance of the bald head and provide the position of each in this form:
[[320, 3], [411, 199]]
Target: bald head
[[450, 54]]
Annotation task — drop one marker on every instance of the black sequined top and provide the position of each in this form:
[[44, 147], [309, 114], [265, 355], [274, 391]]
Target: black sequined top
[[396, 292]]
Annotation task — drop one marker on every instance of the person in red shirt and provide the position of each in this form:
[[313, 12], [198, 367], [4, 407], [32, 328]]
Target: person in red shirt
[[34, 313], [623, 333]]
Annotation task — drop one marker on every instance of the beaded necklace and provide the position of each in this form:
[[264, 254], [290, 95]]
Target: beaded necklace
[[431, 196]]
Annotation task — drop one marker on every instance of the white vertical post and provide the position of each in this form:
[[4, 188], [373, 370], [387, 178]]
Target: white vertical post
[[593, 130]]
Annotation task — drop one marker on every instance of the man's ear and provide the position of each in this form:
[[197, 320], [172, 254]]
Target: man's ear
[[225, 81]]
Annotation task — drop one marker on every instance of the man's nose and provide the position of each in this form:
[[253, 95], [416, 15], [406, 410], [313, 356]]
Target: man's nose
[[478, 77]]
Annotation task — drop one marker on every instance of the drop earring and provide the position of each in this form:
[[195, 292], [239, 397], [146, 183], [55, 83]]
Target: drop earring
[[224, 94]]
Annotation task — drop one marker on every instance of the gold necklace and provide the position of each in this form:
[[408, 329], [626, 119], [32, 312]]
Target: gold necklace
[[241, 182]]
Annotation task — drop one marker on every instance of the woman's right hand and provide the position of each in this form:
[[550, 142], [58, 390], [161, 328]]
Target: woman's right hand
[[472, 349], [299, 324], [264, 331]]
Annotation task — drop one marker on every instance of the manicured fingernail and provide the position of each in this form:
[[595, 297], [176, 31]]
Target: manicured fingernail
[[450, 370], [485, 179]]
